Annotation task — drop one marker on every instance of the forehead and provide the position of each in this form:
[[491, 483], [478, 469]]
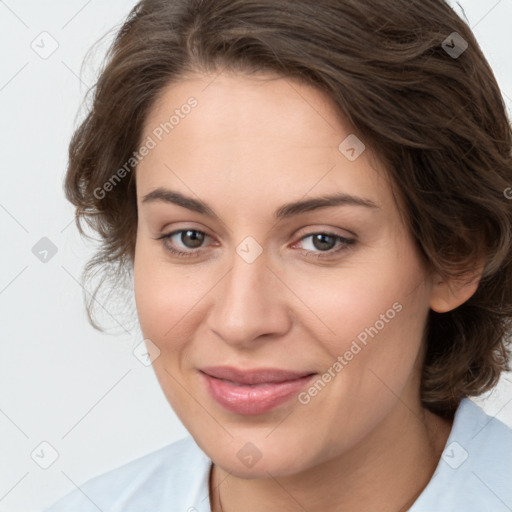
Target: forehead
[[256, 132]]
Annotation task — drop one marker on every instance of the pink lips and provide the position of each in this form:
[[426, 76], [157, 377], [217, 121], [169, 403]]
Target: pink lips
[[252, 391]]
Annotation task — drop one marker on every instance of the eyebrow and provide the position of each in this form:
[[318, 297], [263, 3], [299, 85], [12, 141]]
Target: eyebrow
[[288, 210]]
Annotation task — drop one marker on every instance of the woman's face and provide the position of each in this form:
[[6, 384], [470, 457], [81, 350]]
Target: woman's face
[[332, 291]]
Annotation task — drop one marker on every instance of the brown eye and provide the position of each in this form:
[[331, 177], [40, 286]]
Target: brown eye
[[192, 238], [323, 241], [325, 245]]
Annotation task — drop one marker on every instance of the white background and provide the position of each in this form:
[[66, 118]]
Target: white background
[[60, 380]]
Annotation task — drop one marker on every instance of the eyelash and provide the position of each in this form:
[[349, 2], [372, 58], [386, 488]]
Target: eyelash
[[345, 244]]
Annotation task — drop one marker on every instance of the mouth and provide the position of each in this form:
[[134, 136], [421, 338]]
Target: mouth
[[255, 391]]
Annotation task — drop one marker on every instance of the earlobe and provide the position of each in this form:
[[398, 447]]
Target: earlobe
[[450, 294]]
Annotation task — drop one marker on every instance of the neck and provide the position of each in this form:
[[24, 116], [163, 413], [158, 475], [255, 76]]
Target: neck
[[386, 471]]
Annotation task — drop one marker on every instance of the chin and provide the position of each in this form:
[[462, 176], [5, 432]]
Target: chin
[[261, 457], [276, 465]]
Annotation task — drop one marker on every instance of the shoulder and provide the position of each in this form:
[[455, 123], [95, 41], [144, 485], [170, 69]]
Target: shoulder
[[174, 477], [475, 469]]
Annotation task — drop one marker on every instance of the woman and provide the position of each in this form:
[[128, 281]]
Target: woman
[[310, 197]]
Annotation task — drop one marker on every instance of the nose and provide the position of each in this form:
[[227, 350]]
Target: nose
[[249, 304]]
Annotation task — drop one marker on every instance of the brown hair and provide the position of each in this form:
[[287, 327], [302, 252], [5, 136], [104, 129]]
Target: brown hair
[[436, 120]]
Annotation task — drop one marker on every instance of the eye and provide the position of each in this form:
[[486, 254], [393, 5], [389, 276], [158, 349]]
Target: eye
[[190, 238], [322, 245], [325, 244]]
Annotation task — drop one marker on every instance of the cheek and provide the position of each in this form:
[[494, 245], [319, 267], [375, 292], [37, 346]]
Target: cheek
[[378, 318], [370, 304], [163, 294], [164, 297], [374, 318]]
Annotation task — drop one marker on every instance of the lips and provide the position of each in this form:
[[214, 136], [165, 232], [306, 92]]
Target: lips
[[254, 376], [252, 392]]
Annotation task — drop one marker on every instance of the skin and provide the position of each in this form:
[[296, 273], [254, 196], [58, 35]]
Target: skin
[[251, 145]]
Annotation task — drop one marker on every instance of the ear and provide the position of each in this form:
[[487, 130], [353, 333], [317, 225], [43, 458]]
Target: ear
[[450, 294]]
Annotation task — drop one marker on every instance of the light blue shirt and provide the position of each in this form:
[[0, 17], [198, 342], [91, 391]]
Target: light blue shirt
[[474, 474]]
